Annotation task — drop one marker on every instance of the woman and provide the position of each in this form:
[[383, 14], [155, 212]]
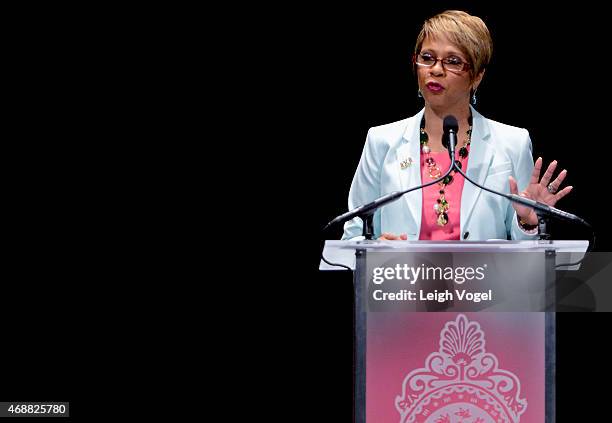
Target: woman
[[450, 57]]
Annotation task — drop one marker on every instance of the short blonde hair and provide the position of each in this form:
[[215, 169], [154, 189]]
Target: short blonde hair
[[468, 32]]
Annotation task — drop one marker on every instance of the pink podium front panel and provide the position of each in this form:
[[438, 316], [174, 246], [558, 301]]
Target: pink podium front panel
[[455, 367]]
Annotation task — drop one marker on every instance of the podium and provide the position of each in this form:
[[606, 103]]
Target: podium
[[454, 331]]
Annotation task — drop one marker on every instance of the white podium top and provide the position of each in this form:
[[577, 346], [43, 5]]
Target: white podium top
[[343, 252]]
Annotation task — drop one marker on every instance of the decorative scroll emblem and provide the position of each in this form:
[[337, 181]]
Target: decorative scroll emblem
[[461, 383], [404, 164]]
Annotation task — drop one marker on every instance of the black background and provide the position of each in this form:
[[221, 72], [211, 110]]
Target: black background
[[346, 71], [303, 86]]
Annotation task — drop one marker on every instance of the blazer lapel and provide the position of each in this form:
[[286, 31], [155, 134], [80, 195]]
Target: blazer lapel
[[410, 173], [479, 162]]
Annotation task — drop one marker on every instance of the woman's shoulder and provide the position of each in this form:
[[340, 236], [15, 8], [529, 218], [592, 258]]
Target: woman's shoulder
[[504, 131], [511, 140], [393, 133]]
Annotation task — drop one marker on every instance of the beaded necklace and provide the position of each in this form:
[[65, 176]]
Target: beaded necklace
[[442, 205]]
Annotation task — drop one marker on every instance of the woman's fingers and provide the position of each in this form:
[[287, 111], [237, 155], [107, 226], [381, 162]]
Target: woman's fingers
[[558, 180], [549, 173], [388, 236], [563, 193], [535, 175]]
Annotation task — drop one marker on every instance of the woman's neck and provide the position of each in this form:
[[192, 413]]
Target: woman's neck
[[434, 120]]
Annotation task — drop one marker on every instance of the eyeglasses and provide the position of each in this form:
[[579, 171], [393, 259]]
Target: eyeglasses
[[451, 63]]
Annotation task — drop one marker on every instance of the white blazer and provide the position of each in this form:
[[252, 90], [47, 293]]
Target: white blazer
[[496, 152]]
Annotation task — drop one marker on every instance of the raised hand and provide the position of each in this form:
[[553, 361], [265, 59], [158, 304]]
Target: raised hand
[[541, 190]]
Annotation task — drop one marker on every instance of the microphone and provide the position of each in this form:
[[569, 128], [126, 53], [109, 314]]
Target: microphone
[[546, 209], [366, 209], [450, 127]]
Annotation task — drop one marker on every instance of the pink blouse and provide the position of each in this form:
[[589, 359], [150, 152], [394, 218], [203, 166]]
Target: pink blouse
[[452, 192]]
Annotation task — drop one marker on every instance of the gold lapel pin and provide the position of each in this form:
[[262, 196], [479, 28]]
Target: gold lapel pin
[[406, 163]]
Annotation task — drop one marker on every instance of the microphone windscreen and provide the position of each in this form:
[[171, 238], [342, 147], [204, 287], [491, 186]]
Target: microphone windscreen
[[450, 122]]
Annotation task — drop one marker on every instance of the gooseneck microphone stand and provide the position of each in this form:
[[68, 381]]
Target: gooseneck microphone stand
[[543, 211], [368, 216], [366, 212], [449, 140]]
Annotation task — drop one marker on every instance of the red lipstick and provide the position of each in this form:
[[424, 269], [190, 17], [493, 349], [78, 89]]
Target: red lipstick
[[434, 87]]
